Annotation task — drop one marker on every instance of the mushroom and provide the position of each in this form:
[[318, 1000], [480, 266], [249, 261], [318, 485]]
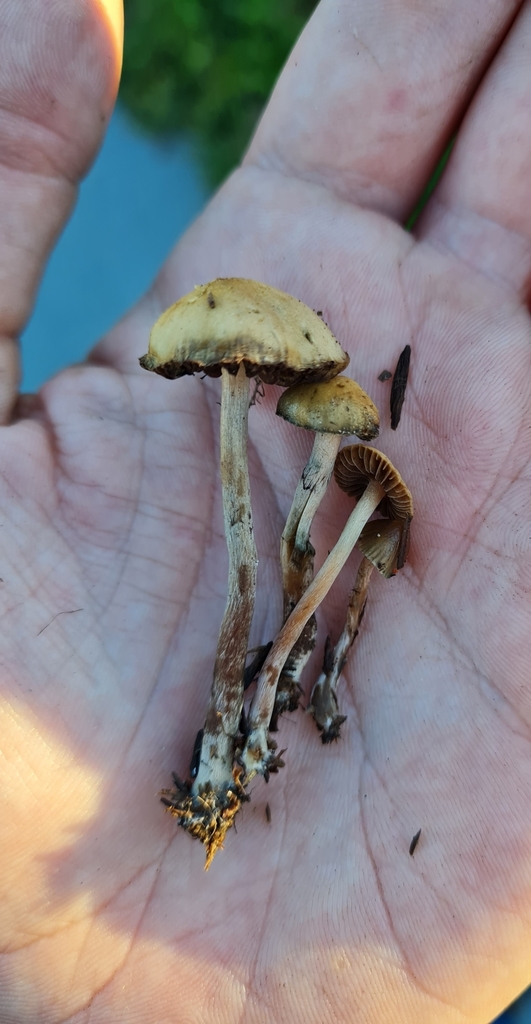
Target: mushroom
[[332, 410], [372, 478], [383, 543], [234, 328]]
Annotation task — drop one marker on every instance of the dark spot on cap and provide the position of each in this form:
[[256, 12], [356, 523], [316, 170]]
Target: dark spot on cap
[[211, 300]]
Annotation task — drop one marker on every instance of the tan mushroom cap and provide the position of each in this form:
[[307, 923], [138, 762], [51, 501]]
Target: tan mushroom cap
[[338, 406], [384, 542], [357, 464], [234, 320]]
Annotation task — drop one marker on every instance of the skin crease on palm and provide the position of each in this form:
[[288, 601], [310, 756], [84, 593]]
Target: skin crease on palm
[[113, 559]]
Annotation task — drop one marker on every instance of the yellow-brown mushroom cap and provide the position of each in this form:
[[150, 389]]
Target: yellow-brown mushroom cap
[[338, 406], [385, 542], [235, 320], [357, 464]]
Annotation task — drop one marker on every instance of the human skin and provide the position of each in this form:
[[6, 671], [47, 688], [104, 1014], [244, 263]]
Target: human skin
[[113, 559]]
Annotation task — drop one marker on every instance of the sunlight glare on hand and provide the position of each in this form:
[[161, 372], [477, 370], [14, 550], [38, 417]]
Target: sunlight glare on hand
[[112, 12]]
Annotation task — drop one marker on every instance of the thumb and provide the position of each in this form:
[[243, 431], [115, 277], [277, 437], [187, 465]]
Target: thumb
[[59, 71]]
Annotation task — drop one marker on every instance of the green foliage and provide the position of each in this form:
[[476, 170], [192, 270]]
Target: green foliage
[[207, 67], [430, 187]]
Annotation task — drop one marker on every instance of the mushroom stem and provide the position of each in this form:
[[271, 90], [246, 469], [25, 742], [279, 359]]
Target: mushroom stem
[[307, 498], [256, 756], [207, 808], [322, 459], [323, 701], [226, 697], [296, 559]]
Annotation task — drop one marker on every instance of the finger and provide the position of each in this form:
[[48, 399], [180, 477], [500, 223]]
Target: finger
[[482, 208], [59, 69], [372, 92]]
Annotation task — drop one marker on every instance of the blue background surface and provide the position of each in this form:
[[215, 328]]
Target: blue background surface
[[139, 197], [519, 1013]]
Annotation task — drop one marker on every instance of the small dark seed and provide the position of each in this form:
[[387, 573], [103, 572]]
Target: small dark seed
[[268, 813], [385, 375], [398, 387], [413, 843], [178, 783]]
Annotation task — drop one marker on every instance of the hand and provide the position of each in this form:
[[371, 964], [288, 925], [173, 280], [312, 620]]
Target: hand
[[113, 558]]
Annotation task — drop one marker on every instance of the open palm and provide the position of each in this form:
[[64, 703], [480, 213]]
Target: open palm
[[113, 558]]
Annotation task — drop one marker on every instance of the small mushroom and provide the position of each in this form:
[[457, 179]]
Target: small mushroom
[[357, 464], [234, 328], [376, 483], [331, 410], [384, 546]]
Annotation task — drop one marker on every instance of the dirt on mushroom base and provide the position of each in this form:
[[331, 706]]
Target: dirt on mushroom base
[[208, 814]]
